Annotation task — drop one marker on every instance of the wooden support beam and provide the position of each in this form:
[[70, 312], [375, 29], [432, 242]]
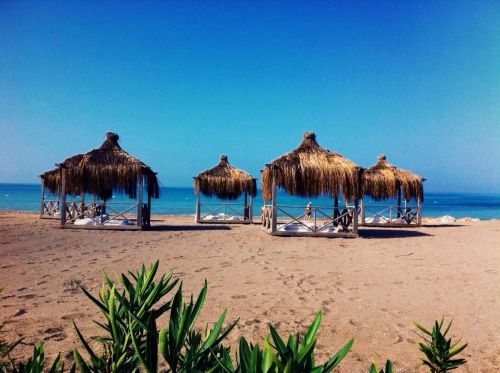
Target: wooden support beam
[[62, 206], [148, 222], [363, 214], [399, 202], [250, 209], [355, 216], [139, 202], [198, 212], [246, 213], [274, 221], [419, 211], [42, 198]]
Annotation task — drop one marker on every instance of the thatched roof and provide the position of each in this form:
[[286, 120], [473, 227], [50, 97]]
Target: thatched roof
[[382, 180], [310, 170], [225, 181], [102, 171], [52, 178]]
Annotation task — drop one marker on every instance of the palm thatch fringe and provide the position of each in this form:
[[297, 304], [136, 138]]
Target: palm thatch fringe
[[310, 170], [103, 171], [52, 178], [225, 181], [382, 181]]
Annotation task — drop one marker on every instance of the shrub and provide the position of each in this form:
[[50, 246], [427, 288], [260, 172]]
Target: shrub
[[438, 350]]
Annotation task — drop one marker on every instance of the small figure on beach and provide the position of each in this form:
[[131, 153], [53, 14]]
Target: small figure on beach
[[307, 210]]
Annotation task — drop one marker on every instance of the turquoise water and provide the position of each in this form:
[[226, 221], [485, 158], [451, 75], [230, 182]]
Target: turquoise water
[[181, 201]]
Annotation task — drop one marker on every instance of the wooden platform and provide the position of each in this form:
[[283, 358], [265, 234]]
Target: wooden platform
[[313, 234], [224, 221], [390, 225], [103, 227]]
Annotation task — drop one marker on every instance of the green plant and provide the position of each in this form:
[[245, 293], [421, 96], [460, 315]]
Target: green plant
[[36, 362], [185, 350], [388, 368], [130, 322], [438, 350], [5, 348], [297, 355]]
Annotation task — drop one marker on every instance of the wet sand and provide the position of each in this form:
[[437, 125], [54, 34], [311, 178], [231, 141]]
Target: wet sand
[[370, 288]]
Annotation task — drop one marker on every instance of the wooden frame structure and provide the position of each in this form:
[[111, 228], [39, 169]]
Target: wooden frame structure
[[309, 171], [383, 181], [99, 173], [227, 183]]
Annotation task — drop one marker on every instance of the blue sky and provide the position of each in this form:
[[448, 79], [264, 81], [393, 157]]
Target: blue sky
[[183, 82]]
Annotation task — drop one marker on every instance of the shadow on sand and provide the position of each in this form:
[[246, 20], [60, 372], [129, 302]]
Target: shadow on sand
[[390, 233], [176, 228], [442, 225]]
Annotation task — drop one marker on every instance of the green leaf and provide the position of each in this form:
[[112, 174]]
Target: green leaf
[[337, 358], [313, 329]]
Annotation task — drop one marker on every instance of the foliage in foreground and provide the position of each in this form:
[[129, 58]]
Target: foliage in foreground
[[132, 341], [438, 350], [36, 363]]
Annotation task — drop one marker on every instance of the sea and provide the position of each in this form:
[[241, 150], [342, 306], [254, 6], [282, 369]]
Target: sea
[[181, 201]]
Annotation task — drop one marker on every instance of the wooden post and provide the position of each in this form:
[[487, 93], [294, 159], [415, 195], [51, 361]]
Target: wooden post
[[82, 205], [274, 221], [250, 209], [198, 212], [139, 202], [42, 198], [399, 202], [355, 216], [419, 212], [363, 215], [245, 208], [93, 206], [356, 204], [148, 222], [62, 207]]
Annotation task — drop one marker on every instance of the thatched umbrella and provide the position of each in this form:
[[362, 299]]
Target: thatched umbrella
[[225, 181], [110, 168], [100, 172], [310, 170], [384, 180]]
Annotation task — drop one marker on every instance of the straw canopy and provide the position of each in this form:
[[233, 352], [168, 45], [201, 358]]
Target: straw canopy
[[310, 170], [382, 180], [102, 171], [52, 179], [225, 181]]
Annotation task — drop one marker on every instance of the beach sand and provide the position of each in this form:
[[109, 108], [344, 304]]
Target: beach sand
[[369, 288]]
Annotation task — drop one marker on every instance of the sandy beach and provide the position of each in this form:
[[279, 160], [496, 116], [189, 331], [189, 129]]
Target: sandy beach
[[370, 288]]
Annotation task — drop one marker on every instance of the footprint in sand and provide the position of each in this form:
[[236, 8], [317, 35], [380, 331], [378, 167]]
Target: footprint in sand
[[27, 296], [241, 296], [55, 333], [201, 269], [73, 316]]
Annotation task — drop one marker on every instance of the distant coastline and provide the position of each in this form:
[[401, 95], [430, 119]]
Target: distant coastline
[[180, 201]]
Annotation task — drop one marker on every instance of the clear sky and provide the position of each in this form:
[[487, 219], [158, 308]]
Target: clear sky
[[183, 82]]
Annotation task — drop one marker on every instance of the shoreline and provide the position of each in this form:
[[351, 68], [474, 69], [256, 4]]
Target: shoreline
[[159, 216]]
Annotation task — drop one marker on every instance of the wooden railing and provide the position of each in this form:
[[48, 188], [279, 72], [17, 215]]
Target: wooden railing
[[390, 215], [224, 212], [316, 219], [50, 209], [97, 210]]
